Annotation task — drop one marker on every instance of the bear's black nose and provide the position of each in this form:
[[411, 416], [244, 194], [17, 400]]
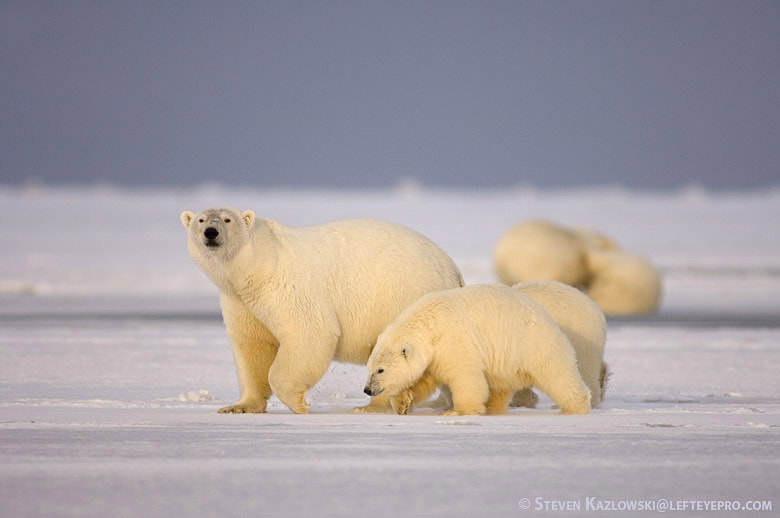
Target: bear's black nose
[[211, 233], [367, 391]]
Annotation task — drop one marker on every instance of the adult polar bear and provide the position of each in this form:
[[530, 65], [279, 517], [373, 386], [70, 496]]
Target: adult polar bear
[[295, 298]]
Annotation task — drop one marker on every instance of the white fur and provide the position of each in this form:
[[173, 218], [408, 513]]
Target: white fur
[[295, 298], [582, 322], [623, 283], [483, 342]]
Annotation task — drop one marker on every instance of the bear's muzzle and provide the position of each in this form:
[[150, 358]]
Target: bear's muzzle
[[211, 235]]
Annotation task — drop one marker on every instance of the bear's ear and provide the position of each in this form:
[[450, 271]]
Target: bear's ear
[[249, 218], [186, 218], [406, 350]]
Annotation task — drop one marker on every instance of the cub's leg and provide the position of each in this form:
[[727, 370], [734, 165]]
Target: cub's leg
[[377, 405], [420, 391], [560, 379], [470, 392], [498, 402]]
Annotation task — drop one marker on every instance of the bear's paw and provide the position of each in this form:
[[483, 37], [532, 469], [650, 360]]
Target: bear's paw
[[242, 409]]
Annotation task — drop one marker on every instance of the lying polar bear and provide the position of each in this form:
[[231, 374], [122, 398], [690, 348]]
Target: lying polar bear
[[620, 282], [484, 343], [295, 298]]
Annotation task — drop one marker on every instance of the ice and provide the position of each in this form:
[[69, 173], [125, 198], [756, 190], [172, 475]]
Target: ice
[[114, 362], [196, 396]]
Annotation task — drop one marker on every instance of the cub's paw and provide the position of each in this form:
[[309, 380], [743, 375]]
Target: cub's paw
[[242, 409], [403, 402], [579, 405]]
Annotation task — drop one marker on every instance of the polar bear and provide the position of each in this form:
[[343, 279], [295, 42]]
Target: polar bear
[[623, 283], [584, 325], [295, 298], [539, 249], [484, 342]]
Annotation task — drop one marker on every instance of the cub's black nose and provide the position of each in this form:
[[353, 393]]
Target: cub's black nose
[[211, 233], [367, 391]]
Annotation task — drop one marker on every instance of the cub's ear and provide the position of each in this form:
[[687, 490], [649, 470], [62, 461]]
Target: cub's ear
[[186, 218], [406, 350], [249, 218]]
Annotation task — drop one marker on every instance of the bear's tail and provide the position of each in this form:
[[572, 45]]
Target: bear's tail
[[604, 379]]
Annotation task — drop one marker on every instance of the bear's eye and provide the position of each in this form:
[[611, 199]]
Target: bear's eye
[[227, 220], [380, 371], [200, 220]]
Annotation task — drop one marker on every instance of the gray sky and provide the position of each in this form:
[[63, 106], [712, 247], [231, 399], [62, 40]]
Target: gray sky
[[361, 93]]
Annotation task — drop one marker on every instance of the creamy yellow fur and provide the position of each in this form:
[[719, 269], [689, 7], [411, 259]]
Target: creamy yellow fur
[[539, 249], [621, 283], [484, 343], [581, 321]]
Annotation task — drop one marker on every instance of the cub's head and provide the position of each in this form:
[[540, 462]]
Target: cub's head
[[220, 231], [395, 365]]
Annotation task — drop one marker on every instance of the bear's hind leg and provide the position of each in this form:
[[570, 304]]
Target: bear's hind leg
[[562, 382], [297, 368]]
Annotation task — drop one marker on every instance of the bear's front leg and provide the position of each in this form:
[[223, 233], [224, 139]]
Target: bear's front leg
[[377, 405], [420, 391], [403, 402], [498, 402], [254, 350], [470, 392]]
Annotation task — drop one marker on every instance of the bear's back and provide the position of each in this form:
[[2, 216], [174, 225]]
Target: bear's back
[[574, 312], [495, 315], [496, 326]]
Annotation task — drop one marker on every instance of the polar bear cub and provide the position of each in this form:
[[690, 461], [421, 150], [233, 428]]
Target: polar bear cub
[[584, 325], [483, 342], [295, 298]]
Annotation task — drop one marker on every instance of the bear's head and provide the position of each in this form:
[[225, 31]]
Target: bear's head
[[218, 232], [396, 363]]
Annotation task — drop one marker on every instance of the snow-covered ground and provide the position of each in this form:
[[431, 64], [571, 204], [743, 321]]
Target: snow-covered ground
[[113, 361]]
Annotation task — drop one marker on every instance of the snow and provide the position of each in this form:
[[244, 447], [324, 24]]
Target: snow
[[114, 362]]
